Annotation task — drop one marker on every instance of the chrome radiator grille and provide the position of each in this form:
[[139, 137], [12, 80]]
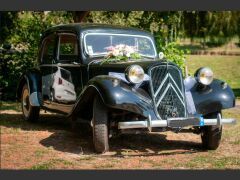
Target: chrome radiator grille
[[168, 91]]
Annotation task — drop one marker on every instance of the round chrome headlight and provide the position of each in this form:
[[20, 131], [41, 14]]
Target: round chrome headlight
[[205, 75], [135, 74]]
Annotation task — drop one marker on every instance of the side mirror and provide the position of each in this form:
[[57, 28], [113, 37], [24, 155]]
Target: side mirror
[[161, 55]]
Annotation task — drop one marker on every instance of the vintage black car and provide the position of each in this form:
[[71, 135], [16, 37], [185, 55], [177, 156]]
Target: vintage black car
[[112, 78]]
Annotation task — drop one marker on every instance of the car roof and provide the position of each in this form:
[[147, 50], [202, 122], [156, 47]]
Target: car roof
[[92, 27]]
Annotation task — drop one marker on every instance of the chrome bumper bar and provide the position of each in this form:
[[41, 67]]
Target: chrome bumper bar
[[175, 122]]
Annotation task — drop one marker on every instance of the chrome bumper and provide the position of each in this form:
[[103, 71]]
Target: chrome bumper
[[175, 122]]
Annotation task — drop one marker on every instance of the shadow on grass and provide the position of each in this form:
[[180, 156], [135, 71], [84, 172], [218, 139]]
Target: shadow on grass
[[79, 140]]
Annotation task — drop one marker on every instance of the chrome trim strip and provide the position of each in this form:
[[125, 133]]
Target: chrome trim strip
[[60, 65], [141, 124], [164, 123], [164, 92], [169, 85], [160, 87], [176, 85], [178, 96], [212, 122]]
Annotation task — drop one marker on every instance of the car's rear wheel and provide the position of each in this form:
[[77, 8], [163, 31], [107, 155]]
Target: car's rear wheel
[[211, 135], [100, 126], [30, 113]]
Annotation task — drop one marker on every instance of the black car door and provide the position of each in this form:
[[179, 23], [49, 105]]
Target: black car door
[[47, 57], [66, 70]]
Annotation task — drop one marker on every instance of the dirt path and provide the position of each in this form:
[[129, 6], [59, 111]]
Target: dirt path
[[51, 144]]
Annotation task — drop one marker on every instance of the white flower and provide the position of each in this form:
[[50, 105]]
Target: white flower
[[120, 53], [121, 50], [120, 46], [115, 52], [130, 49], [128, 55]]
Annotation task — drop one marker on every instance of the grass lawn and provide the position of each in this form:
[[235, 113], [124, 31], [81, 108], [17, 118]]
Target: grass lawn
[[226, 68], [230, 47]]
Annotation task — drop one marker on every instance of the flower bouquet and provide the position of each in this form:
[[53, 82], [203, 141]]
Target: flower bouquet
[[121, 52]]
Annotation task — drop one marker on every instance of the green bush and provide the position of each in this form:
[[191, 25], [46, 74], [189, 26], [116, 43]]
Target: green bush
[[174, 54], [24, 39]]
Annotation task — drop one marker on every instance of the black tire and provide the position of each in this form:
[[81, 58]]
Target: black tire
[[30, 113], [211, 135], [100, 126]]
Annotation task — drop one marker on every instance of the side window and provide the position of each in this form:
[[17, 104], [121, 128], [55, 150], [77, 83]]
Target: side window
[[68, 48], [48, 51]]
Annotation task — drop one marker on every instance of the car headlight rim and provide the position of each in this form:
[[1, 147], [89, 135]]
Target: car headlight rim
[[135, 74], [205, 75]]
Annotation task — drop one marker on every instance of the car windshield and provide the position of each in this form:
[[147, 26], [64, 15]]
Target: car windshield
[[99, 44]]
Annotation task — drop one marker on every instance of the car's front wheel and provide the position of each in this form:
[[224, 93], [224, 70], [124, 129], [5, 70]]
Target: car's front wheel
[[100, 126], [30, 113], [211, 135]]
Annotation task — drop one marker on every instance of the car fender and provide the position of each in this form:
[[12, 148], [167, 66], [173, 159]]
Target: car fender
[[33, 80], [212, 98], [116, 94]]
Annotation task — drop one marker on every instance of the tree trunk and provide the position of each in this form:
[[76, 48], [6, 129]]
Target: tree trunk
[[79, 16]]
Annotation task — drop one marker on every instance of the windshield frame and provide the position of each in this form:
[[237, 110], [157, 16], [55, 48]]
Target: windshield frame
[[116, 34]]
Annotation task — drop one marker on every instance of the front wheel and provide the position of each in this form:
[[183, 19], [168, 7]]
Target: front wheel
[[100, 126], [211, 135], [30, 113]]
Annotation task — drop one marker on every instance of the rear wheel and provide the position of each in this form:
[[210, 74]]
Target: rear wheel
[[30, 113], [100, 126], [211, 135]]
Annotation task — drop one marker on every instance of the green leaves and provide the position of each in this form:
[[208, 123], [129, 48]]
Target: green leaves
[[133, 56], [173, 54], [24, 37]]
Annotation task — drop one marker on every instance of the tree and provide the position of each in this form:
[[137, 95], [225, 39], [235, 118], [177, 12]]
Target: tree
[[6, 24], [79, 16]]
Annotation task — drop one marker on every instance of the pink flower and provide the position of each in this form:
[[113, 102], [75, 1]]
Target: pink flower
[[109, 48], [121, 50]]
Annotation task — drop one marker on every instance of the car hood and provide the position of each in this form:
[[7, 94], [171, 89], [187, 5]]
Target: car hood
[[119, 67]]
